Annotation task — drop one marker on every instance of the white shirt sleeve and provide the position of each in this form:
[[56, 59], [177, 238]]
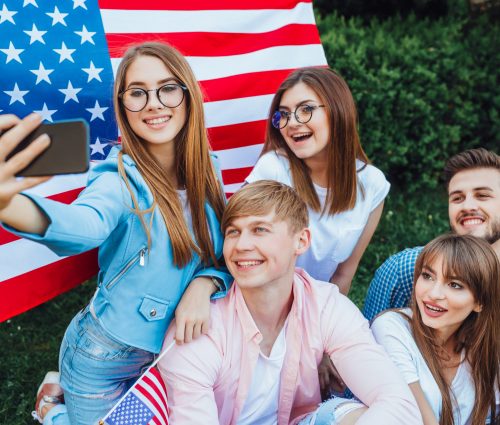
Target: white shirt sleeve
[[375, 185], [392, 331], [270, 166]]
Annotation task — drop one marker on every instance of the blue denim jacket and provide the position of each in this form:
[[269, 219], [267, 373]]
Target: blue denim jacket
[[138, 289]]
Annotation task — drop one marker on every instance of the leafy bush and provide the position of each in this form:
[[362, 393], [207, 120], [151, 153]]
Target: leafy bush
[[425, 89], [386, 8], [407, 221]]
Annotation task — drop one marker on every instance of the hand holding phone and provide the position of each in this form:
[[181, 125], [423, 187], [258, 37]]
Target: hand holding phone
[[12, 131], [68, 152]]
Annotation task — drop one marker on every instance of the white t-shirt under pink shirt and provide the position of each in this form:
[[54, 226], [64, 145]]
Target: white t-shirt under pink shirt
[[333, 236]]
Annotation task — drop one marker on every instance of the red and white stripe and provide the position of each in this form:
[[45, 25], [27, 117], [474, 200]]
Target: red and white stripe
[[151, 390], [240, 56]]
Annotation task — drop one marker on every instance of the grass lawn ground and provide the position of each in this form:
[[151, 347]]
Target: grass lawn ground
[[29, 343]]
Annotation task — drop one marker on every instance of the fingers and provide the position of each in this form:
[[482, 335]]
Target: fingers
[[197, 330], [335, 377], [17, 130], [324, 381], [179, 332], [7, 121], [187, 330], [329, 377], [22, 159], [15, 186], [184, 330]]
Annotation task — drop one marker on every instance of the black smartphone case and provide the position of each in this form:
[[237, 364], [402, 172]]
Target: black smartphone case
[[68, 152]]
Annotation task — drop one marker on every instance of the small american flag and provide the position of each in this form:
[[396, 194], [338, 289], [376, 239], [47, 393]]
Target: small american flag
[[145, 403]]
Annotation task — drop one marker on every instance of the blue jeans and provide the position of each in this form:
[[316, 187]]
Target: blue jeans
[[96, 371], [325, 414]]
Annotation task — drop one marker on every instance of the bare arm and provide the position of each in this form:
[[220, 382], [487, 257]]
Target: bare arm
[[16, 210], [345, 271], [192, 314], [423, 404]]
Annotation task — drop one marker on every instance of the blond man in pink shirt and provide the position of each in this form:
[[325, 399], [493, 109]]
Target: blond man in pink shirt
[[258, 363]]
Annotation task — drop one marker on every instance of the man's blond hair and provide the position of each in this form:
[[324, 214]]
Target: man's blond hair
[[263, 197]]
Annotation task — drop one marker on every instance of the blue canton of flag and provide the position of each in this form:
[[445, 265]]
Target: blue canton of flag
[[145, 403], [131, 411], [54, 61]]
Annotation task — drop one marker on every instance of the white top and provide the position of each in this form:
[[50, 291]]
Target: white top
[[393, 332], [333, 236], [185, 207], [261, 404]]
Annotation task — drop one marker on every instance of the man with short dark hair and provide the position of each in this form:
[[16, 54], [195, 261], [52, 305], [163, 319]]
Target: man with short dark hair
[[259, 362], [472, 180]]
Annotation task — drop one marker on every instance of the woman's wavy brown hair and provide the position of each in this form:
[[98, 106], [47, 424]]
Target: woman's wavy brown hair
[[194, 169], [342, 151], [475, 263]]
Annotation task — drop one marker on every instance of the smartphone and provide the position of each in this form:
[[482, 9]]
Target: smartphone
[[68, 152]]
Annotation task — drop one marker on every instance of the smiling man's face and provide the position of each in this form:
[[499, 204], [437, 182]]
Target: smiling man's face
[[474, 203]]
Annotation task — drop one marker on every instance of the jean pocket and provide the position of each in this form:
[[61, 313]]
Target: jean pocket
[[97, 344]]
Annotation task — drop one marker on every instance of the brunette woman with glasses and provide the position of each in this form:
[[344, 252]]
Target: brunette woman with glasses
[[153, 209], [312, 144]]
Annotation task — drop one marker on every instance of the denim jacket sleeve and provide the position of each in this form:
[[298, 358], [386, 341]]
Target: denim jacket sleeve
[[85, 223], [221, 274]]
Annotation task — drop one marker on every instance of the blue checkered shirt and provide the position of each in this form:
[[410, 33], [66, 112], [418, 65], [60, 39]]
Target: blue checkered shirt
[[393, 282]]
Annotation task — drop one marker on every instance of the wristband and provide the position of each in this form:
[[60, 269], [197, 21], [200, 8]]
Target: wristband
[[217, 284]]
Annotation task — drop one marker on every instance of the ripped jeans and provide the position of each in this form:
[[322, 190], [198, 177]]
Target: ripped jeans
[[96, 371], [332, 411]]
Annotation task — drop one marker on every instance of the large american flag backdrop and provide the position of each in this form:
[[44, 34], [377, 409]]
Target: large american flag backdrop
[[58, 58]]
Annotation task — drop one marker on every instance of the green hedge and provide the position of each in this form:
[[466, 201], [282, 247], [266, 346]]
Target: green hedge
[[385, 8], [425, 89]]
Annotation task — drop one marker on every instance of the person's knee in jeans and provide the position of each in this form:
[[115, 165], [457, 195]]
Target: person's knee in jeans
[[336, 411]]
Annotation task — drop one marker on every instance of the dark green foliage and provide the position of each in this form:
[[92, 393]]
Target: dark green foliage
[[387, 8], [425, 90], [407, 221]]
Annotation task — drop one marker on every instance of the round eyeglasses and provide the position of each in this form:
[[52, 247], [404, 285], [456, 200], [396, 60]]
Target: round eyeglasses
[[169, 95], [302, 113]]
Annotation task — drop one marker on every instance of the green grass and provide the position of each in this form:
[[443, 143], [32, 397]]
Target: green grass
[[29, 343]]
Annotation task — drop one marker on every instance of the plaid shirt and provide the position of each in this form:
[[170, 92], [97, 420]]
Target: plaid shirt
[[393, 282]]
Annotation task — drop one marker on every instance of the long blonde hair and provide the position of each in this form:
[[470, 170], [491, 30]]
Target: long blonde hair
[[476, 264], [194, 169], [342, 151]]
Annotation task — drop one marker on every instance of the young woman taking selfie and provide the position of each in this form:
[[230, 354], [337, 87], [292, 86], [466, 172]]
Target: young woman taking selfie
[[153, 209]]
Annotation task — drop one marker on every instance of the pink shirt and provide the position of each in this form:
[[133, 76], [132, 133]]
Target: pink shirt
[[208, 379]]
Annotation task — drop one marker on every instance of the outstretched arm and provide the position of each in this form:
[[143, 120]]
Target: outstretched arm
[[16, 210]]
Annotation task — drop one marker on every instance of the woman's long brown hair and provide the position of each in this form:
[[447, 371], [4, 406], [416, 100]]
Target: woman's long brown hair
[[342, 151], [475, 263], [194, 169]]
